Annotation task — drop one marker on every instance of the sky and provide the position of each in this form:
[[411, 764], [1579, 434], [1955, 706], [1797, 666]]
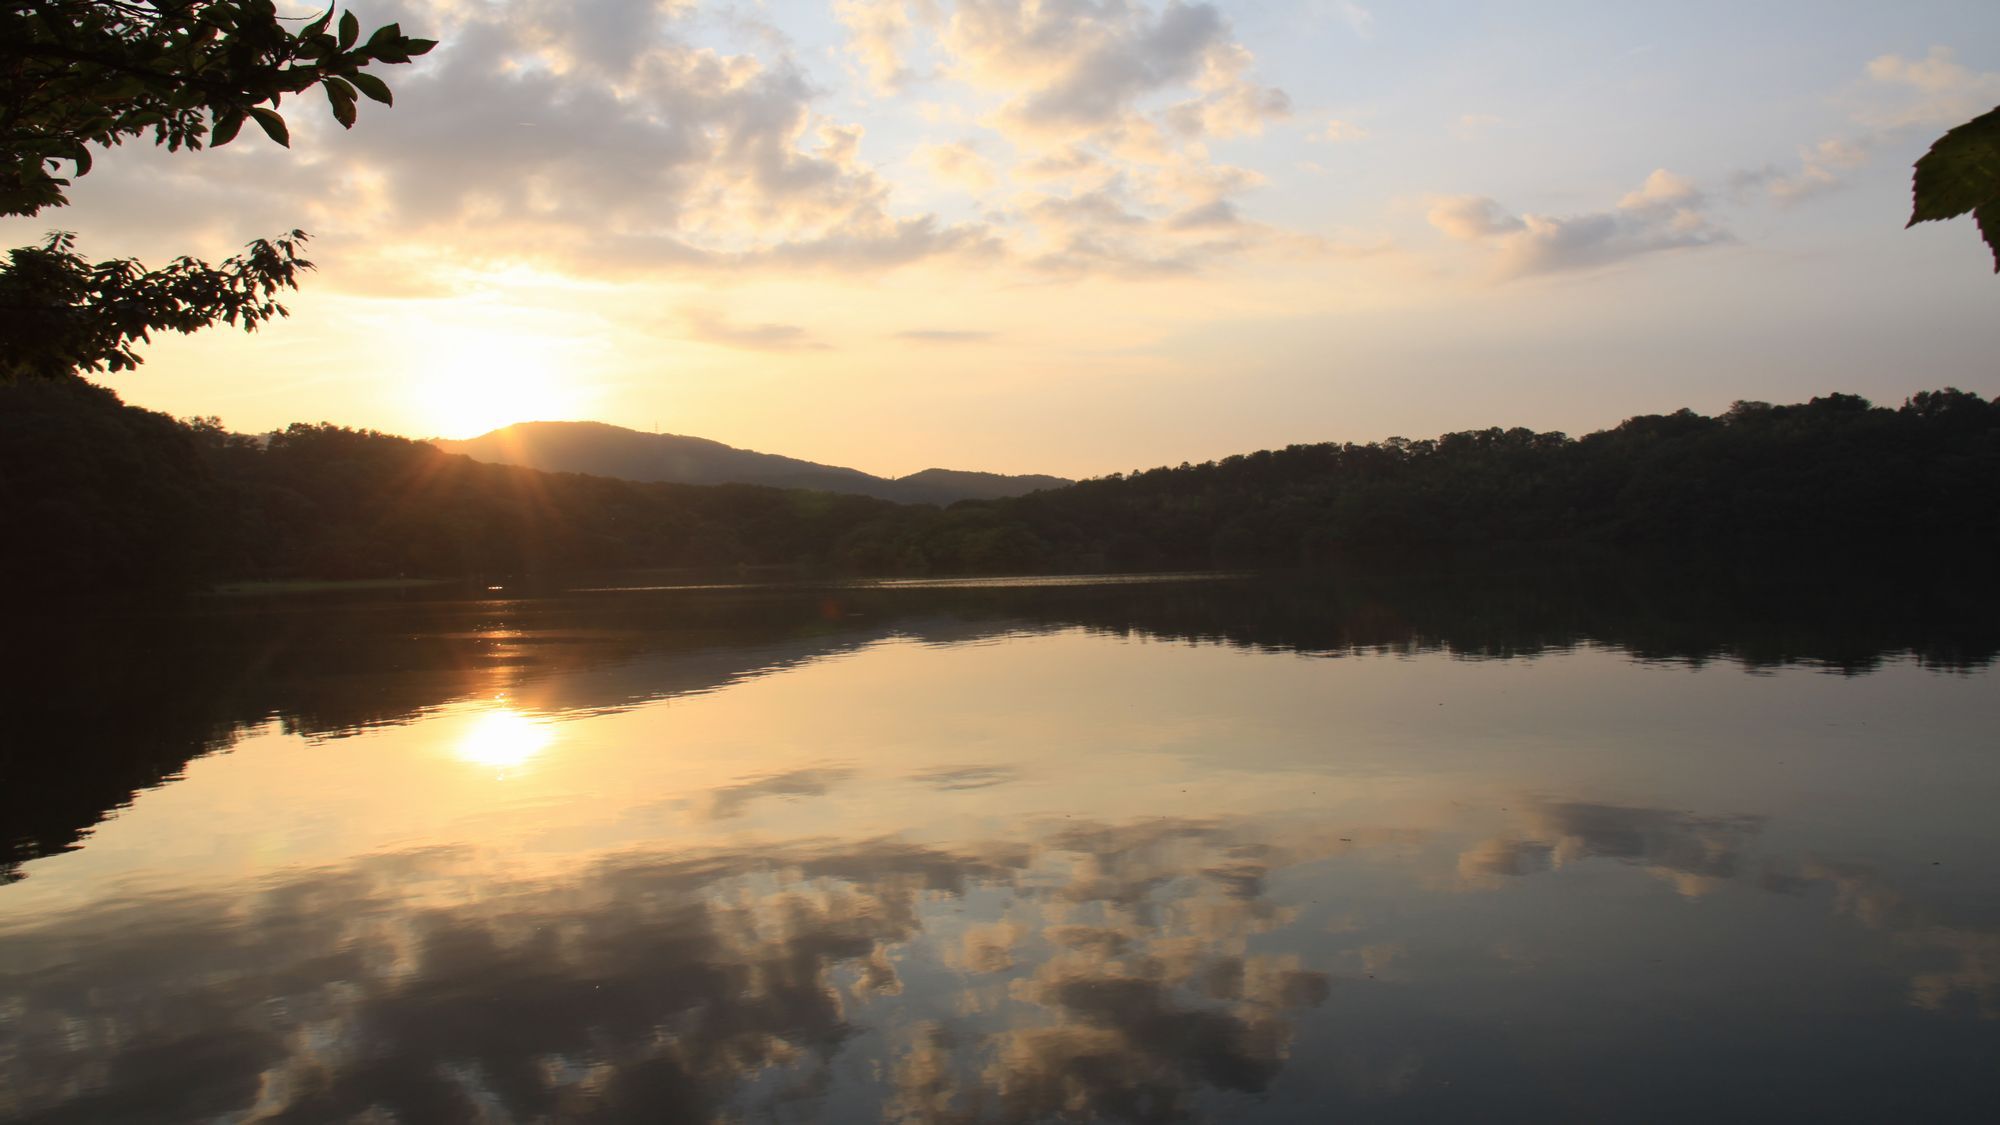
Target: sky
[[1087, 236]]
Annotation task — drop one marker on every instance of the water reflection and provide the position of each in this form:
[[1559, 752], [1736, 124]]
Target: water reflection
[[138, 697], [1692, 852], [434, 986], [503, 739], [1138, 971], [981, 854]]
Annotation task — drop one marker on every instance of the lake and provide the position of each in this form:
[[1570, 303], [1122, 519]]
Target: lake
[[1410, 843]]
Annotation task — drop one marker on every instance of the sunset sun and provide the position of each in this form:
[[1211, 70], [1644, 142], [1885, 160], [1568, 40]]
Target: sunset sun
[[465, 384]]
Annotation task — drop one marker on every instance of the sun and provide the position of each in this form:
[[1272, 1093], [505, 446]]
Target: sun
[[465, 385]]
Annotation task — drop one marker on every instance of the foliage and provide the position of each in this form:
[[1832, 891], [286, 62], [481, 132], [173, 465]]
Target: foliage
[[78, 74], [69, 315], [102, 499], [1836, 473], [1961, 173]]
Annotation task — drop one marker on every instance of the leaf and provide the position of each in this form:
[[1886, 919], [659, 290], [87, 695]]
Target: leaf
[[1959, 173], [374, 87], [418, 46], [1988, 217], [341, 96], [226, 128], [274, 125], [350, 30], [318, 25]]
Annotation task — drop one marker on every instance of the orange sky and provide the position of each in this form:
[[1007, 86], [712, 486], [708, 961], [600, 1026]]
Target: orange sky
[[1013, 236]]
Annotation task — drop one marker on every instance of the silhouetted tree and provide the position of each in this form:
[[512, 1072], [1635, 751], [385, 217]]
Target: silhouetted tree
[[78, 74]]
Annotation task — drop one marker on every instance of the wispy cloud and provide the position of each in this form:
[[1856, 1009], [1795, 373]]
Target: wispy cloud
[[1339, 131], [1935, 90], [960, 164], [1666, 212], [1897, 96], [945, 335], [709, 327]]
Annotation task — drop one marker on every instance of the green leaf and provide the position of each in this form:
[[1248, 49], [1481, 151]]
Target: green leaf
[[350, 30], [1959, 173], [318, 25], [226, 128], [274, 125], [418, 46], [1988, 217], [374, 87]]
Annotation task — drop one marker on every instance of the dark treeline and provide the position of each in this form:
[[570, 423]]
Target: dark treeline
[[187, 681], [1834, 473], [104, 496], [112, 498]]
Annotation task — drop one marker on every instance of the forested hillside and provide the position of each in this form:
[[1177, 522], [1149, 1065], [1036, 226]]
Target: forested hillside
[[1835, 472], [104, 496], [614, 451]]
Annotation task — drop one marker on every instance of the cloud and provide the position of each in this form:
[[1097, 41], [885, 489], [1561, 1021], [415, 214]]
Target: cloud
[[1662, 189], [1088, 99], [1219, 214], [945, 336], [1898, 96], [599, 138], [880, 33], [1933, 91], [638, 139], [959, 164], [1074, 69], [1470, 218], [1819, 170], [1230, 104], [1664, 213], [1112, 102], [1104, 231], [1339, 131]]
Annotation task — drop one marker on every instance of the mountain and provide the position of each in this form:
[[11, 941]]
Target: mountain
[[961, 485], [601, 449]]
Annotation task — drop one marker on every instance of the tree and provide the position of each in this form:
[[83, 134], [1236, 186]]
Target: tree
[[1961, 173], [82, 74]]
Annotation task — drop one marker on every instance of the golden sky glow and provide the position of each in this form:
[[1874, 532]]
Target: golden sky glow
[[1020, 236]]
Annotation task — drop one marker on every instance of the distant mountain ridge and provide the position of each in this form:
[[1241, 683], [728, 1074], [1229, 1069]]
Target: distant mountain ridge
[[605, 450]]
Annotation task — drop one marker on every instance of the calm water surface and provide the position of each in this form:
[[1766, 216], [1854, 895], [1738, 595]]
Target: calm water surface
[[1212, 849]]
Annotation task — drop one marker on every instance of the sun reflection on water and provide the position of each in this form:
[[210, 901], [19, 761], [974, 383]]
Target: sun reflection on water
[[503, 739]]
